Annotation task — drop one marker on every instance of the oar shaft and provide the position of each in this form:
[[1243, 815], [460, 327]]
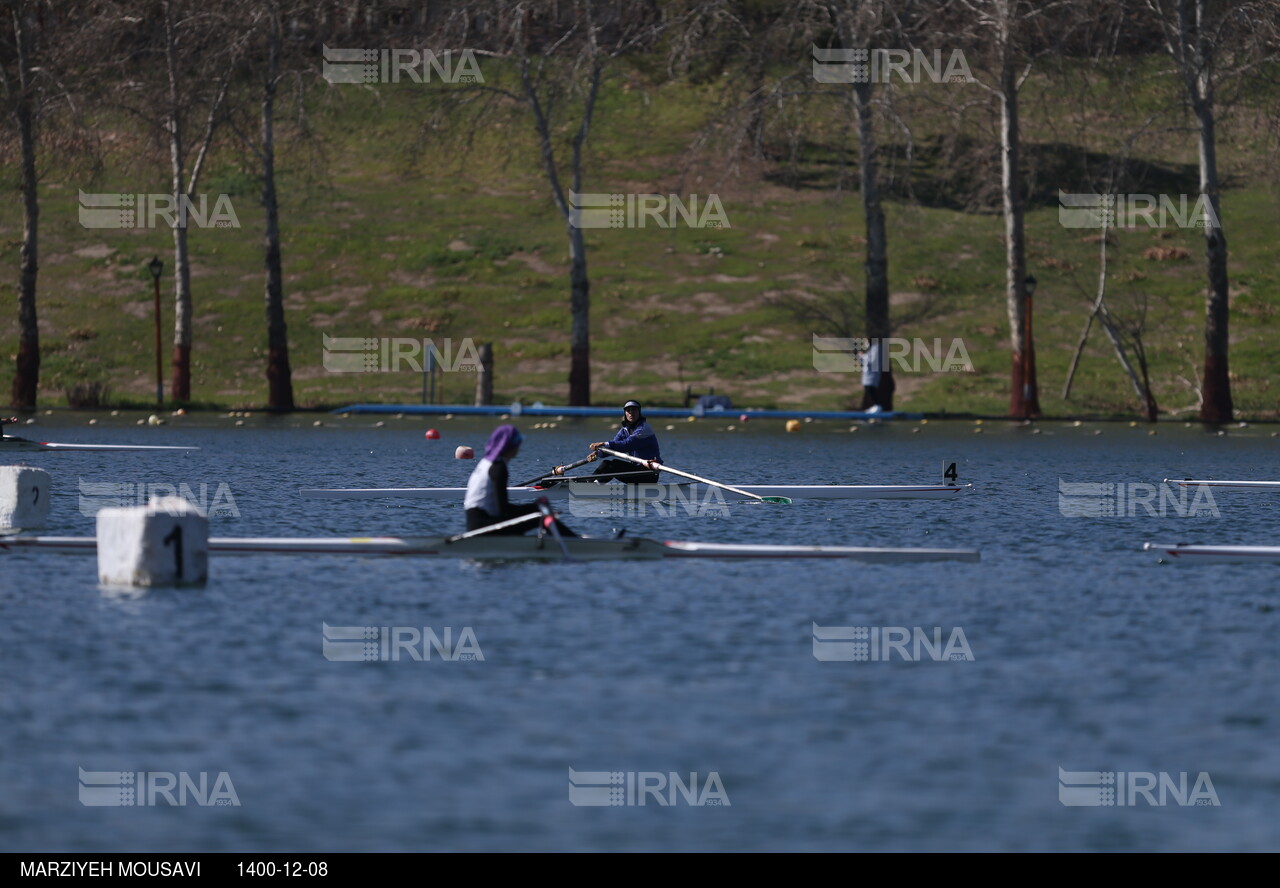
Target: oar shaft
[[689, 475], [549, 520], [501, 525], [581, 462]]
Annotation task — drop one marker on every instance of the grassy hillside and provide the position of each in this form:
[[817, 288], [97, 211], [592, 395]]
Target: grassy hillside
[[459, 239]]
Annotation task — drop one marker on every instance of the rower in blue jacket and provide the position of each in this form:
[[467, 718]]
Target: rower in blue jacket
[[635, 436]]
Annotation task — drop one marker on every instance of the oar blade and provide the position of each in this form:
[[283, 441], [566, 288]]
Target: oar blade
[[777, 500]]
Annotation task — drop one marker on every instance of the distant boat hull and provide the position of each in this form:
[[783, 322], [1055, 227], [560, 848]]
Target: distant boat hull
[[1227, 485], [683, 492], [1184, 553], [10, 444], [518, 548]]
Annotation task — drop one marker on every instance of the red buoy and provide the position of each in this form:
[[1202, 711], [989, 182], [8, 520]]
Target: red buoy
[[433, 435]]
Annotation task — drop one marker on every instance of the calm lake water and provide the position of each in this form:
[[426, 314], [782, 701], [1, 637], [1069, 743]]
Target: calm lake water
[[1087, 654]]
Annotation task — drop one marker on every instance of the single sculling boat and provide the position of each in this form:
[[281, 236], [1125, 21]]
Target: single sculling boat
[[1185, 553], [13, 444], [667, 493], [1226, 485], [513, 548]]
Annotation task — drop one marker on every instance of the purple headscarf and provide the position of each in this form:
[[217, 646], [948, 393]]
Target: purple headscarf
[[504, 437]]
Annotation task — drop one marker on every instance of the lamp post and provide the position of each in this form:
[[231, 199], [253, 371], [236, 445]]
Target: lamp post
[[1029, 285], [156, 266]]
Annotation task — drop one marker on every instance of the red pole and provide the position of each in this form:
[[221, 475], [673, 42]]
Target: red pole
[[159, 372], [1026, 366]]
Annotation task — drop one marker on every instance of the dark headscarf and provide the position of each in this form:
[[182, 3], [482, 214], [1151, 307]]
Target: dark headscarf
[[504, 438], [635, 424]]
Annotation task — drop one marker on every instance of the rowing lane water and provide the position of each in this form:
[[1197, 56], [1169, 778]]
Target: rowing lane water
[[1087, 656]]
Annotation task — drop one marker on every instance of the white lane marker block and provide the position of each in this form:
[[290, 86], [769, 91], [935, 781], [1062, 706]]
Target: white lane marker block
[[164, 543], [24, 497]]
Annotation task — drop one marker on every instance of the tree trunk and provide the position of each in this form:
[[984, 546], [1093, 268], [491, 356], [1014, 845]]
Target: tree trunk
[[579, 307], [26, 379], [755, 125], [877, 265], [1024, 398], [180, 385], [484, 378], [279, 375], [1191, 36], [1149, 398], [180, 382], [579, 283], [1217, 406]]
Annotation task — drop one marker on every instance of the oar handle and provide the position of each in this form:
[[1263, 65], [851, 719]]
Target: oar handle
[[692, 477], [581, 462]]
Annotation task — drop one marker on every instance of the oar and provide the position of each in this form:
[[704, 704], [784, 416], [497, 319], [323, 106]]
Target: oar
[[581, 462], [781, 500], [549, 520], [501, 525]]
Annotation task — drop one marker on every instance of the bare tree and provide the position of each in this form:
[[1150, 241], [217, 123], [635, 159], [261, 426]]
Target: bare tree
[[1009, 36], [1134, 328], [279, 376], [187, 50], [1001, 25], [43, 114], [562, 54], [1204, 38], [858, 25], [762, 33], [18, 75], [182, 24], [264, 24]]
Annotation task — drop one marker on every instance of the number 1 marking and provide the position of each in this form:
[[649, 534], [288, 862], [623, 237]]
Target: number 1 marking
[[175, 537]]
